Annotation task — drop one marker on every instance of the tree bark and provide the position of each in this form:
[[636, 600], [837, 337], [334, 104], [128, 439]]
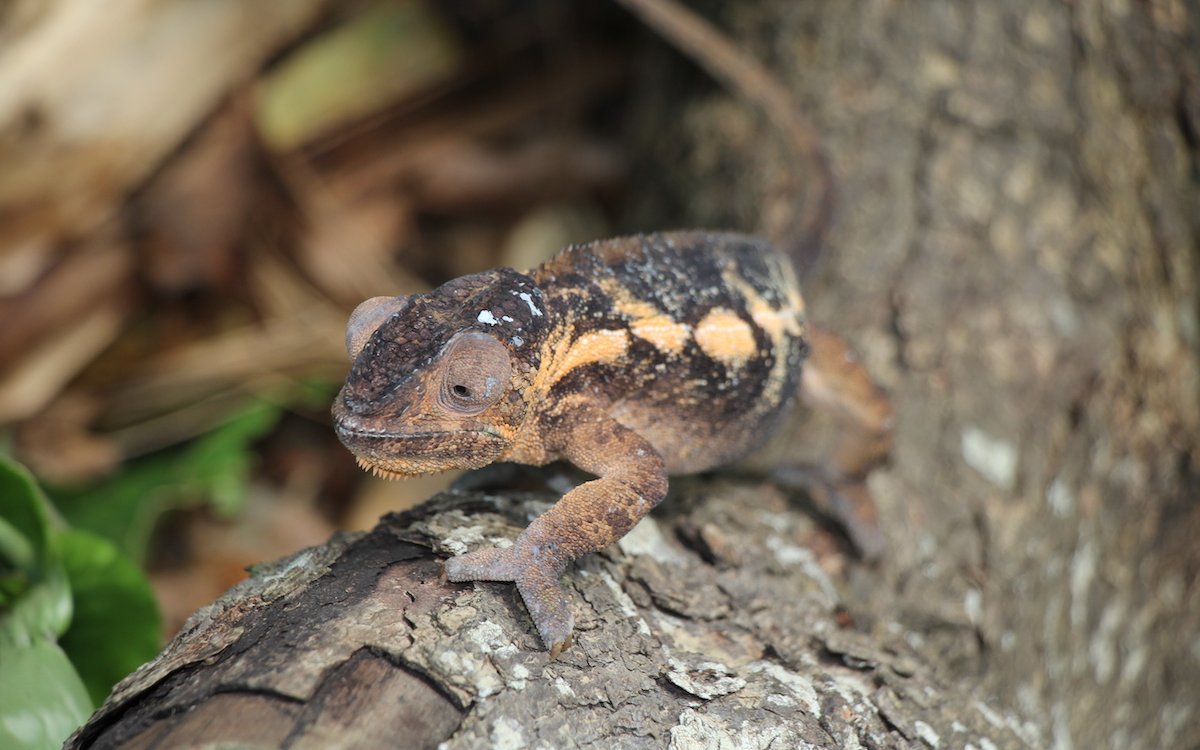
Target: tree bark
[[1016, 259], [713, 624]]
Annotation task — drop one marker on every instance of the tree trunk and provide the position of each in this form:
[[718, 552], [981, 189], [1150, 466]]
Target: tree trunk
[[1016, 260]]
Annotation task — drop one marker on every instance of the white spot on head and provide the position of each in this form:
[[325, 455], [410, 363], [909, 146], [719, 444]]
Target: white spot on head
[[725, 337], [662, 332], [485, 316], [529, 301]]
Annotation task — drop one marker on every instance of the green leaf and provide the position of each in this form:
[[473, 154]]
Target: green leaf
[[16, 560], [314, 392], [35, 601], [73, 586], [23, 509], [43, 610], [42, 699], [116, 626], [125, 508], [16, 551], [387, 52], [219, 463]]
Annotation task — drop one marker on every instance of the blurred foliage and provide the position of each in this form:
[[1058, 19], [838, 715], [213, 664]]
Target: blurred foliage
[[75, 617], [385, 53], [212, 469]]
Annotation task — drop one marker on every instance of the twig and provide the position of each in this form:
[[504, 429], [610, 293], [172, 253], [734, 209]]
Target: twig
[[714, 52]]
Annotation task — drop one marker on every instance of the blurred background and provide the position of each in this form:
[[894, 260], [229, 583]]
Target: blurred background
[[195, 193], [193, 196]]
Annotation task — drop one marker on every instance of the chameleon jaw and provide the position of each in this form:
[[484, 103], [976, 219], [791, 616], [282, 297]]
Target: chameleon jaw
[[367, 464], [392, 458]]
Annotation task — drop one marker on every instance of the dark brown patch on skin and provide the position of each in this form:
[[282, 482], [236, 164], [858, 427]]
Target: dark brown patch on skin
[[631, 358]]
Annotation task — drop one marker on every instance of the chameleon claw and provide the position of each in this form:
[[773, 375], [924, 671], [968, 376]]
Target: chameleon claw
[[536, 580], [548, 607], [561, 646]]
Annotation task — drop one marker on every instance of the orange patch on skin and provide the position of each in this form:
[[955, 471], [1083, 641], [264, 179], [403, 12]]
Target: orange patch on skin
[[635, 309], [646, 321], [591, 348], [778, 323], [624, 302], [663, 332], [725, 337], [795, 299]]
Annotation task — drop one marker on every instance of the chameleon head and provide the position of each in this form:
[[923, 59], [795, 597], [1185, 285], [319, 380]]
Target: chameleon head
[[438, 380]]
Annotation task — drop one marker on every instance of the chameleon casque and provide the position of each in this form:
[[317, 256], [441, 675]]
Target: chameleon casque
[[631, 358]]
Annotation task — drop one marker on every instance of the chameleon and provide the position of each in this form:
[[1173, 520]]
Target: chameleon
[[632, 358]]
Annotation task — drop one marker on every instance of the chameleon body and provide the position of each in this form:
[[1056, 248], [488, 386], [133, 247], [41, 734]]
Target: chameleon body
[[631, 358]]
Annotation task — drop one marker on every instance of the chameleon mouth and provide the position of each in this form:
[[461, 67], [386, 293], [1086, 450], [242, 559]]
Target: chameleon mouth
[[367, 464], [392, 456]]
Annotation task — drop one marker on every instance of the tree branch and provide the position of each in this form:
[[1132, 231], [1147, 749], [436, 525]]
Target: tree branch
[[712, 620]]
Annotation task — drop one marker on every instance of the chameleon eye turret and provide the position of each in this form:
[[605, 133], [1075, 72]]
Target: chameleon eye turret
[[366, 318], [477, 370]]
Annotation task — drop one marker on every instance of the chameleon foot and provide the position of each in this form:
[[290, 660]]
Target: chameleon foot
[[537, 580]]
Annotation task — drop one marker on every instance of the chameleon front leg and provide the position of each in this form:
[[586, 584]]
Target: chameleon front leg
[[632, 480]]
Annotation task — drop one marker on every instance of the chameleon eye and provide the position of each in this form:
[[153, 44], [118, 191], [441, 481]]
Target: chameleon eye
[[367, 317], [477, 372]]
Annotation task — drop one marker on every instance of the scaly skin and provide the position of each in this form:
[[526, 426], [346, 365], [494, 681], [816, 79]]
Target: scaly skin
[[631, 358]]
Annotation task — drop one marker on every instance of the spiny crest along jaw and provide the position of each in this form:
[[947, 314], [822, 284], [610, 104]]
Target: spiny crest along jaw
[[367, 465], [395, 457]]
